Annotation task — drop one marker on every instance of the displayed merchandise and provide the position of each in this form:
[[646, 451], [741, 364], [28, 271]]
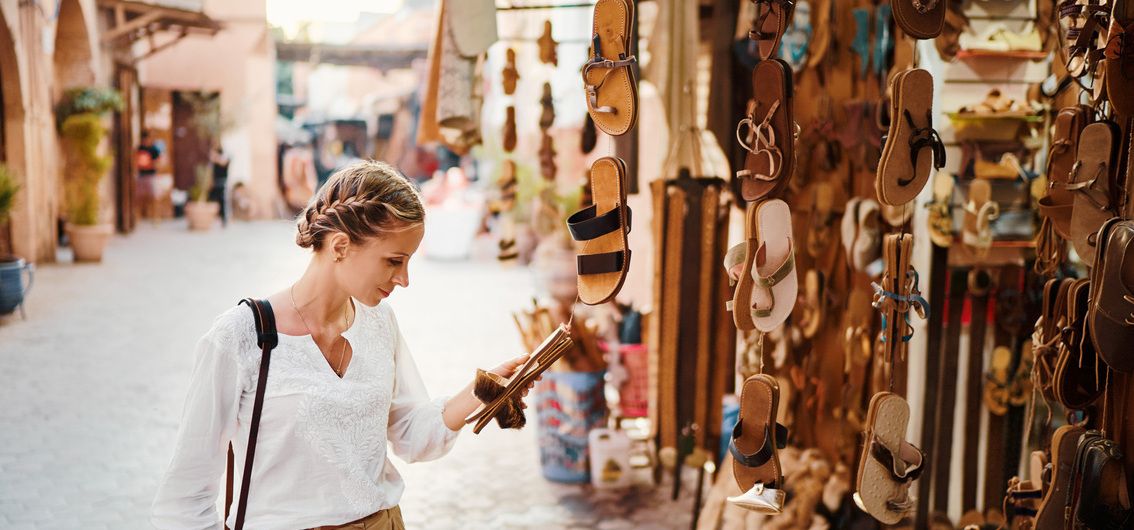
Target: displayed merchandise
[[612, 92]]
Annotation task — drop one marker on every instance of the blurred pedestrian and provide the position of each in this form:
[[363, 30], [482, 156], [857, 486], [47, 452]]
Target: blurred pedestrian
[[220, 161]]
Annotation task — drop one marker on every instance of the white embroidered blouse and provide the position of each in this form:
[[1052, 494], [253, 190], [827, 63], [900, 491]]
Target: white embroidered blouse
[[321, 449]]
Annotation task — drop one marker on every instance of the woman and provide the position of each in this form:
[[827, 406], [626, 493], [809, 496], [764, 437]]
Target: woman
[[341, 383]]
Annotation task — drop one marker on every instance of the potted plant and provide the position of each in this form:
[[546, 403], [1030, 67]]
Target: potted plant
[[202, 213], [80, 117], [12, 288]]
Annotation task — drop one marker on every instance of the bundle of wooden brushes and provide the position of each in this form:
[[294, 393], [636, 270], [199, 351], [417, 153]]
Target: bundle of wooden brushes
[[537, 323]]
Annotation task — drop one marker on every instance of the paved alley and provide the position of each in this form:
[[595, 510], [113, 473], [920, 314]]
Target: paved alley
[[94, 380]]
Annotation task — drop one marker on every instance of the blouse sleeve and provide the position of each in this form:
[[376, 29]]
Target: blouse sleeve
[[187, 494], [417, 430]]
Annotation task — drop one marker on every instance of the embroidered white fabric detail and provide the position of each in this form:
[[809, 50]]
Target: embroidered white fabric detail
[[321, 448]]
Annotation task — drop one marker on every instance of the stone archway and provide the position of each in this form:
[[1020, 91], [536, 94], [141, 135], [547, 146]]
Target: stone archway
[[72, 55]]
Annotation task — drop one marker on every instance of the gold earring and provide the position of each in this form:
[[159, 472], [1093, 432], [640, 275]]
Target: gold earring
[[338, 259]]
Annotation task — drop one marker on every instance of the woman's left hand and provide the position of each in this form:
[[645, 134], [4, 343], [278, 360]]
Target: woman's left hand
[[508, 369]]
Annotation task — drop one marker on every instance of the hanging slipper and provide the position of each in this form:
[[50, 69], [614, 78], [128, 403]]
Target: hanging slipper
[[822, 220], [1090, 181], [1057, 205], [912, 147], [896, 294], [861, 43], [589, 138], [501, 399], [547, 157], [547, 115], [612, 94], [1112, 297], [948, 43], [814, 305], [506, 183], [1118, 59], [797, 39], [868, 242], [1079, 377], [755, 442], [848, 227], [510, 130], [997, 381], [1064, 448], [820, 43], [980, 211], [510, 75], [548, 47], [888, 464], [770, 139], [941, 210], [769, 26], [920, 19], [883, 40], [603, 227], [739, 263], [776, 286]]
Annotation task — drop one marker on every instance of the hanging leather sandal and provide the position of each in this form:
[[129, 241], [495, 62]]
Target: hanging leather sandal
[[772, 19], [754, 447], [888, 463], [770, 137], [912, 146], [608, 77], [603, 229]]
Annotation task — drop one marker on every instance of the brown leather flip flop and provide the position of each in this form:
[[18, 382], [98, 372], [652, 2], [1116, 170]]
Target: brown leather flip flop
[[920, 19], [771, 22], [888, 464], [1112, 296], [603, 228], [756, 440], [770, 138], [1090, 180], [1118, 59], [1064, 445], [1057, 204], [612, 93], [913, 148]]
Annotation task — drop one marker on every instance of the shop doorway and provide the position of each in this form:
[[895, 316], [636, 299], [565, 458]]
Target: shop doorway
[[190, 147]]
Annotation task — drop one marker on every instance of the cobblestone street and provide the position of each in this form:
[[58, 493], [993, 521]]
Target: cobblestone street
[[94, 380]]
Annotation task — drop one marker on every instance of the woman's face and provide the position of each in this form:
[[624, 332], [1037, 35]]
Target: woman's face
[[370, 272]]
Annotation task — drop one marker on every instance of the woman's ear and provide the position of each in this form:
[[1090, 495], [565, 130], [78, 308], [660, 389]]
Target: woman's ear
[[339, 245]]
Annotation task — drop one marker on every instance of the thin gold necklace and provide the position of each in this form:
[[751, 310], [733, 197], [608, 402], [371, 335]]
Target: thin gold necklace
[[346, 322]]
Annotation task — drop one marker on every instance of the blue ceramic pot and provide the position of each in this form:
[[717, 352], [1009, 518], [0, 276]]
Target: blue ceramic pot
[[12, 286]]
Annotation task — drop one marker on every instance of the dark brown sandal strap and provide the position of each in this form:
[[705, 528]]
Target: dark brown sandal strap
[[602, 263]]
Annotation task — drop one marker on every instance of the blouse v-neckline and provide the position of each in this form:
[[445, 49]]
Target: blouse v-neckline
[[307, 343]]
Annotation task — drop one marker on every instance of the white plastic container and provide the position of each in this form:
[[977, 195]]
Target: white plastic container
[[610, 458]]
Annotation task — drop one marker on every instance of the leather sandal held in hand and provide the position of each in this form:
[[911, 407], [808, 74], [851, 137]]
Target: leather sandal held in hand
[[501, 397], [912, 146], [770, 139], [612, 93], [754, 447], [888, 464], [603, 228]]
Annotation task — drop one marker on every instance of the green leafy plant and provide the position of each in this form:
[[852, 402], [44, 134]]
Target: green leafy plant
[[200, 190], [86, 100], [82, 134], [8, 189]]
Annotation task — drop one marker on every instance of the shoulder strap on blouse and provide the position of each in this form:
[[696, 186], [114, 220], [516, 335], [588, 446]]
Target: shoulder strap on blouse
[[266, 338]]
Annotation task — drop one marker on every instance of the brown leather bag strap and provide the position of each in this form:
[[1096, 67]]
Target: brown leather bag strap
[[267, 339]]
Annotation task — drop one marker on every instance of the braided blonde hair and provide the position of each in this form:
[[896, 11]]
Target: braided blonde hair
[[361, 200]]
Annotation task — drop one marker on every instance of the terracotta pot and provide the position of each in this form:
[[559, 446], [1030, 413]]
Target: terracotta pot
[[202, 215], [88, 241]]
